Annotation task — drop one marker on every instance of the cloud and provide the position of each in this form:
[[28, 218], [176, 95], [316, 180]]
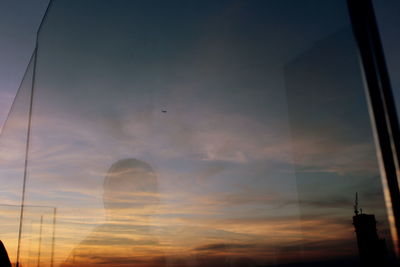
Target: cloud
[[224, 246]]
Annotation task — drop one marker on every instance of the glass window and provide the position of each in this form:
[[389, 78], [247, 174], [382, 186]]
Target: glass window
[[200, 133], [388, 22], [12, 159]]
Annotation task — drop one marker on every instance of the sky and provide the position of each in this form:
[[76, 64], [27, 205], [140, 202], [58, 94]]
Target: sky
[[388, 21], [264, 140], [19, 21]]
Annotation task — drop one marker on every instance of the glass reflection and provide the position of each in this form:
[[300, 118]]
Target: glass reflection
[[13, 139], [235, 128], [130, 199]]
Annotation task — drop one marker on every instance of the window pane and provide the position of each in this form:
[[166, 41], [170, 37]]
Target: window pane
[[389, 24], [200, 133], [12, 159]]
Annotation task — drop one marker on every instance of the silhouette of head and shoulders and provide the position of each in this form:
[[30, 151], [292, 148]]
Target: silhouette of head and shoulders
[[130, 199]]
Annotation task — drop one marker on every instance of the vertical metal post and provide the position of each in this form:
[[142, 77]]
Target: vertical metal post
[[53, 238], [382, 105], [40, 241], [27, 146]]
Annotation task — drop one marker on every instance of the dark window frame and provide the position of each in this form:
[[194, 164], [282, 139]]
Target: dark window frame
[[381, 101]]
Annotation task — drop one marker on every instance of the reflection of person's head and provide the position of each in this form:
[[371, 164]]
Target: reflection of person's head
[[129, 184]]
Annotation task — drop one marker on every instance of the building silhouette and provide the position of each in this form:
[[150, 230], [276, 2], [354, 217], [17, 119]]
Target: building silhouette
[[372, 249]]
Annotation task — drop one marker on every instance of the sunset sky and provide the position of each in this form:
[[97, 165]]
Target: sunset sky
[[264, 140], [19, 21]]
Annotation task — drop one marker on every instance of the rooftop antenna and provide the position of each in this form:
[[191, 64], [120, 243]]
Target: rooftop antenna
[[356, 211]]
